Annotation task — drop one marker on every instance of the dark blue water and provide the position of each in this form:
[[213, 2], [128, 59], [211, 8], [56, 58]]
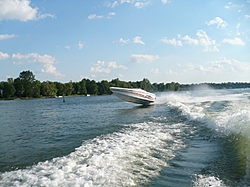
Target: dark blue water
[[199, 138]]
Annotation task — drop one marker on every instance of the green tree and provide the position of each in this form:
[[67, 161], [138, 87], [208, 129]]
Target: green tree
[[170, 86], [103, 88], [48, 89], [69, 88], [8, 90], [27, 79], [76, 88], [60, 89], [146, 85], [36, 89], [18, 84], [161, 87], [177, 87], [83, 89], [117, 83], [92, 87]]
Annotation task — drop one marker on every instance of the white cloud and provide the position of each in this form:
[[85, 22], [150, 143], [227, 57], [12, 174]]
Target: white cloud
[[112, 5], [202, 39], [140, 4], [170, 72], [111, 14], [19, 10], [115, 66], [220, 66], [138, 40], [80, 45], [235, 41], [121, 40], [155, 71], [94, 16], [101, 67], [6, 36], [49, 68], [217, 21], [232, 64], [67, 47], [127, 1], [172, 41], [47, 61], [211, 69], [165, 1], [3, 56], [247, 16], [190, 40], [138, 58], [229, 5]]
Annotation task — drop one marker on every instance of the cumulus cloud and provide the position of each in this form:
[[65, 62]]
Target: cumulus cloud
[[217, 21], [203, 40], [3, 56], [94, 16], [102, 67], [230, 5], [172, 41], [80, 45], [126, 1], [140, 4], [6, 36], [111, 14], [115, 66], [123, 41], [235, 41], [170, 72], [136, 3], [191, 41], [139, 58], [19, 10], [47, 61], [155, 71], [232, 64], [220, 66], [247, 16], [138, 40]]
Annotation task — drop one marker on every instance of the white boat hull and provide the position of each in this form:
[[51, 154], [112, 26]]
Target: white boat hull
[[134, 95]]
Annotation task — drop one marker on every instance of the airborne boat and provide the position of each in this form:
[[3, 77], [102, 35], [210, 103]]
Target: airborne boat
[[134, 95]]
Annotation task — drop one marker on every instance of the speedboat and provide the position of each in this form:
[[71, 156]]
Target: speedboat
[[134, 95]]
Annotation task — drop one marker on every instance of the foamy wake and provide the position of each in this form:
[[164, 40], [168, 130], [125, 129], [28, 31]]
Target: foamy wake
[[232, 119], [127, 158], [207, 181]]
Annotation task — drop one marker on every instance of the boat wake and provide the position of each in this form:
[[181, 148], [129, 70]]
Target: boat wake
[[126, 158], [227, 114]]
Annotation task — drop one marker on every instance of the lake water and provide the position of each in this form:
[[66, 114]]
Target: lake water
[[196, 138]]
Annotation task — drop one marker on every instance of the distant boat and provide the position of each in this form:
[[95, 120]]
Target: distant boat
[[134, 95]]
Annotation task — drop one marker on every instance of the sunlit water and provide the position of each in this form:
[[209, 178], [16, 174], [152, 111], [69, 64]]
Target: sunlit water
[[196, 138]]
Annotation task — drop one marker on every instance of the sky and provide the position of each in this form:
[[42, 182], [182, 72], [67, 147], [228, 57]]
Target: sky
[[162, 40]]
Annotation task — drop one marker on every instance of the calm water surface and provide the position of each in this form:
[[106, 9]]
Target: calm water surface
[[198, 138]]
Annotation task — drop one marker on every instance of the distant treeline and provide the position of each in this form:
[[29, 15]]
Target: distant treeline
[[26, 86]]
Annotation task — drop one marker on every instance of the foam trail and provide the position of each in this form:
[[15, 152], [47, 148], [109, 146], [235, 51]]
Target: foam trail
[[226, 113], [125, 158]]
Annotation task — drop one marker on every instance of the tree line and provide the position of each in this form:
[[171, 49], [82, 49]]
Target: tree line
[[26, 86]]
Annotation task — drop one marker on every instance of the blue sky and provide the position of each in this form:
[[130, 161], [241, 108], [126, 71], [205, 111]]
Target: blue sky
[[162, 40]]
